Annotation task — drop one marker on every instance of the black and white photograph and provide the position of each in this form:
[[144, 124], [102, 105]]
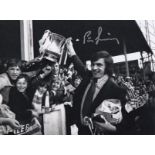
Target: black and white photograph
[[77, 77]]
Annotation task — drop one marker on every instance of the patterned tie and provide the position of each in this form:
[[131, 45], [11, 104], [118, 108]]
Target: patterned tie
[[89, 99]]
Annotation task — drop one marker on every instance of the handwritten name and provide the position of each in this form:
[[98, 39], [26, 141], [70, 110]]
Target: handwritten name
[[87, 38]]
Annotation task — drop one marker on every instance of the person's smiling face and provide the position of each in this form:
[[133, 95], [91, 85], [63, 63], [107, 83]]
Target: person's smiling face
[[13, 72], [98, 68], [21, 85]]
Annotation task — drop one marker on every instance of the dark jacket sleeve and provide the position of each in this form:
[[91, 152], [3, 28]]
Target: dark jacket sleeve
[[35, 81], [28, 66], [79, 66]]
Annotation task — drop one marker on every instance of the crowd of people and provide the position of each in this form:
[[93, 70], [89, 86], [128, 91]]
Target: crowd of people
[[96, 101]]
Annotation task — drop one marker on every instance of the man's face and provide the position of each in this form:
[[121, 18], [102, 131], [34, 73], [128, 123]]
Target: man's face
[[13, 72], [56, 68], [77, 82], [98, 68]]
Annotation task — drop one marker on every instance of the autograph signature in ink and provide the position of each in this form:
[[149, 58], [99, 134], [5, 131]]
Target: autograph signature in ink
[[87, 37]]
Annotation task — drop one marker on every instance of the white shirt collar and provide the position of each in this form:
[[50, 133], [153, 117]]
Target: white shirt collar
[[102, 81]]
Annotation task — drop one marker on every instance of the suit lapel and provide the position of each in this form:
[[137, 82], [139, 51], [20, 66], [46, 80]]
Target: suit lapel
[[102, 95]]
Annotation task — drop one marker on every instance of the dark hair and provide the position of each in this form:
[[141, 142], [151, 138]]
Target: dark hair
[[107, 59], [12, 63], [43, 84], [25, 76]]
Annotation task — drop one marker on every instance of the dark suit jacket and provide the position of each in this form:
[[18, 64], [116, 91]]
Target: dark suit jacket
[[110, 90]]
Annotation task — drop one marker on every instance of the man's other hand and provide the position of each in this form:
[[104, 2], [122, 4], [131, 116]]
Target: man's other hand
[[104, 127]]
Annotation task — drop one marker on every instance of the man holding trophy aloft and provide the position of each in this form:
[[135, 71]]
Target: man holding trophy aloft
[[98, 103]]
